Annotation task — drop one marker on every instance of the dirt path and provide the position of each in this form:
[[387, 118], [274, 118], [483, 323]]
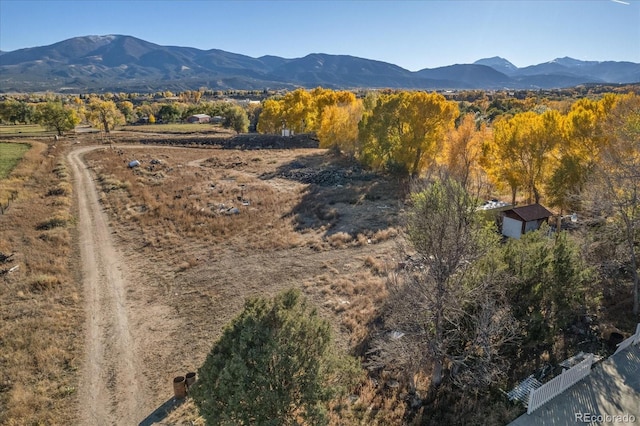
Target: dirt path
[[110, 385]]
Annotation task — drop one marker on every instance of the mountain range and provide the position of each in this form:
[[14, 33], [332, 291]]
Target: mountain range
[[124, 63]]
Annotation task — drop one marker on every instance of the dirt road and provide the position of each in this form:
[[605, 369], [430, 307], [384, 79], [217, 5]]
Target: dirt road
[[110, 389]]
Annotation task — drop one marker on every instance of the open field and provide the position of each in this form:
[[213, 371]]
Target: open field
[[304, 219], [24, 130], [181, 263], [178, 128], [10, 155], [188, 261]]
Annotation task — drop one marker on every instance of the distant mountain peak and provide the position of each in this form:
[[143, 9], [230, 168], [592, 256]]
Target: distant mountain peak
[[98, 38], [498, 64], [571, 62], [121, 62]]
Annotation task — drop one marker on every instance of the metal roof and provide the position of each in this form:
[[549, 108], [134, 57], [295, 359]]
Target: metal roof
[[531, 212]]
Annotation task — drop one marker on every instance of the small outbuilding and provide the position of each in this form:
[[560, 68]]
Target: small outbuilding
[[520, 220], [198, 118]]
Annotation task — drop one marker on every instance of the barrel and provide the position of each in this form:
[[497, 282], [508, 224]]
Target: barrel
[[179, 387], [191, 379]]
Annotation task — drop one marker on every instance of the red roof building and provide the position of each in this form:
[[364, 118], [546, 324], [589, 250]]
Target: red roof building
[[520, 220]]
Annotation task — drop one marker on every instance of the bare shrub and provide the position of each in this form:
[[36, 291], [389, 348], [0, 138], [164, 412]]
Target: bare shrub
[[339, 239], [384, 235], [361, 240], [376, 265], [63, 188], [43, 283], [61, 170], [54, 222]]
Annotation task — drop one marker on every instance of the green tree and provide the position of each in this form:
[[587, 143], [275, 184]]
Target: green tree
[[126, 108], [549, 288], [8, 109], [273, 365], [236, 118], [56, 116], [378, 132], [169, 113], [13, 111]]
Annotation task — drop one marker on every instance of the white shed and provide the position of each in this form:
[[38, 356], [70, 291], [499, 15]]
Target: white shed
[[520, 220]]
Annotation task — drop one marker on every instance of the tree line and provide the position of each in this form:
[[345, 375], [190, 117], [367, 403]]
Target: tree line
[[539, 153], [62, 114]]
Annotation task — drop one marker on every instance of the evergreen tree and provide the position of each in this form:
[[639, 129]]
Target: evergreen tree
[[273, 365]]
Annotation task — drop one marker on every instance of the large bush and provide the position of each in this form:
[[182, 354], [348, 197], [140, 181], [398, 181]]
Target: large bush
[[273, 365]]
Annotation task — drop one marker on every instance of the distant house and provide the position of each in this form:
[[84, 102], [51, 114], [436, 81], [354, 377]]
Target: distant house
[[493, 208], [198, 118], [520, 220]]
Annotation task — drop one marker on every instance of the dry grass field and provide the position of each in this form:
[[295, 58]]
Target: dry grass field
[[41, 336], [203, 229], [178, 128], [24, 130], [200, 230]]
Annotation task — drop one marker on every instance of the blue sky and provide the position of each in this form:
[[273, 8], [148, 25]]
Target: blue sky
[[411, 34]]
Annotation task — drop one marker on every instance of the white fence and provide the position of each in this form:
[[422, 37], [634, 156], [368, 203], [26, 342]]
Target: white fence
[[633, 340], [557, 385]]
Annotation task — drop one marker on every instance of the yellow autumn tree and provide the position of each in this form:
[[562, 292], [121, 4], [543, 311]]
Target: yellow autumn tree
[[339, 127], [301, 110], [405, 131], [324, 98], [463, 149], [584, 140], [104, 115], [523, 152], [298, 111], [270, 120]]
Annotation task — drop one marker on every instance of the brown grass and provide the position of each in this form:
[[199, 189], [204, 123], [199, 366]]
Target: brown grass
[[222, 199], [171, 215], [179, 128], [40, 314], [172, 220]]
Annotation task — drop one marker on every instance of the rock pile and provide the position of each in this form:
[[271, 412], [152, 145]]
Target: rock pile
[[326, 177]]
